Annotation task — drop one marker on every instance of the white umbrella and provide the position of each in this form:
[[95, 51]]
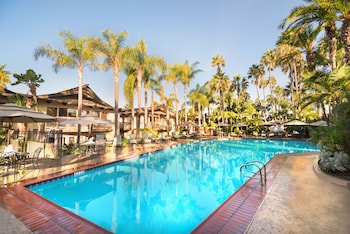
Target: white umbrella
[[86, 119], [223, 125], [188, 124], [12, 113], [240, 125], [296, 123], [319, 123]]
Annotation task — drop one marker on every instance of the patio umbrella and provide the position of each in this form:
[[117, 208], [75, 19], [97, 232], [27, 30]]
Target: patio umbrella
[[86, 119], [188, 124], [296, 123], [240, 125], [11, 113], [223, 125], [319, 123]]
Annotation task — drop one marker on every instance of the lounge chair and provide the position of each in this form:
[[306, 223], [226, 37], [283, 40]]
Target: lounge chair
[[34, 157], [132, 139], [175, 136], [145, 138], [164, 136], [117, 141]]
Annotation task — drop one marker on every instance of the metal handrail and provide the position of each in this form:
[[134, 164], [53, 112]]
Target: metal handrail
[[254, 163]]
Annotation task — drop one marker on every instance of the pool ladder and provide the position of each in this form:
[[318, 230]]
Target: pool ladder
[[246, 170]]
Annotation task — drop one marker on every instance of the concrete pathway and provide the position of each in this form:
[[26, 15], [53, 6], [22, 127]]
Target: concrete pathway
[[302, 200]]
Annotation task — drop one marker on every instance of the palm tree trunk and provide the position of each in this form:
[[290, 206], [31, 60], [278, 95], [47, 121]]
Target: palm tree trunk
[[332, 40], [146, 108], [152, 109], [176, 105], [139, 83], [80, 99], [116, 103], [345, 36], [185, 106]]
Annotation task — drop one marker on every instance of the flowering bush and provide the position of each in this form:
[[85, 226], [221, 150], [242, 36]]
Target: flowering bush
[[334, 161]]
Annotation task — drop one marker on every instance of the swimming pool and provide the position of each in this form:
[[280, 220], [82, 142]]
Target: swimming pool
[[168, 191]]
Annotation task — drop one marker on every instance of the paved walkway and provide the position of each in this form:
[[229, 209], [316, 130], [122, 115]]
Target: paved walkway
[[300, 200], [304, 200]]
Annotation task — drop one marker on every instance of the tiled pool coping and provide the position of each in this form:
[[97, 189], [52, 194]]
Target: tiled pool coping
[[41, 215]]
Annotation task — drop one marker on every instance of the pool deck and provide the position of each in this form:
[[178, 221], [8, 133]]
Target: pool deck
[[297, 198]]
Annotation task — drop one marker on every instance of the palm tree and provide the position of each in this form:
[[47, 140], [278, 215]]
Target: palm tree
[[115, 57], [256, 73], [291, 60], [173, 75], [141, 61], [80, 53], [342, 9], [188, 72], [240, 85], [168, 102], [319, 12], [198, 97], [129, 89], [220, 83], [155, 87], [32, 80], [306, 39], [4, 77], [218, 61]]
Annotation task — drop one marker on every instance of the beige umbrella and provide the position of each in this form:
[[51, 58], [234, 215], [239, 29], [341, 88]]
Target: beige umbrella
[[86, 119], [11, 113], [296, 123], [319, 123]]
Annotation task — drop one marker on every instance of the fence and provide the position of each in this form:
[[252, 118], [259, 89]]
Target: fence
[[29, 141]]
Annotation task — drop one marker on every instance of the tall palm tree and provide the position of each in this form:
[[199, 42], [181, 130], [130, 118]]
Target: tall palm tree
[[256, 72], [173, 75], [218, 61], [80, 53], [32, 80], [141, 61], [342, 8], [291, 60], [129, 91], [115, 57], [221, 84], [240, 85], [155, 87], [188, 72], [197, 96], [305, 38], [4, 77], [319, 12]]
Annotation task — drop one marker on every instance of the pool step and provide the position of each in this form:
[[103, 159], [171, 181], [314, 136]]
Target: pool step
[[246, 171]]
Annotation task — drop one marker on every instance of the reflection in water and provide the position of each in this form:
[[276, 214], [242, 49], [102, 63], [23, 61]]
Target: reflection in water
[[169, 191]]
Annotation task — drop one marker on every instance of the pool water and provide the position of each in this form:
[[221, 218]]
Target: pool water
[[168, 191]]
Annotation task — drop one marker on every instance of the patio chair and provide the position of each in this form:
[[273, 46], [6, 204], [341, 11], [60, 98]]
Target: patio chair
[[117, 141], [145, 138], [132, 139], [33, 157]]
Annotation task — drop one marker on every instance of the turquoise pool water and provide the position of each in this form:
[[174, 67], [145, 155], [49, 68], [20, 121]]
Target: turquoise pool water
[[168, 191]]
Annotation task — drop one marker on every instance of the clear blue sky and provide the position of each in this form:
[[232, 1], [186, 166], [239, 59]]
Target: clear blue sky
[[239, 30]]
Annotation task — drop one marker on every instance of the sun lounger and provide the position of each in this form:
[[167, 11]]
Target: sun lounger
[[145, 138], [132, 139]]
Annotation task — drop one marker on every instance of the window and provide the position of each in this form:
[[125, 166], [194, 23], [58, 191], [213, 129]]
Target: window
[[72, 113], [52, 111], [62, 112]]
